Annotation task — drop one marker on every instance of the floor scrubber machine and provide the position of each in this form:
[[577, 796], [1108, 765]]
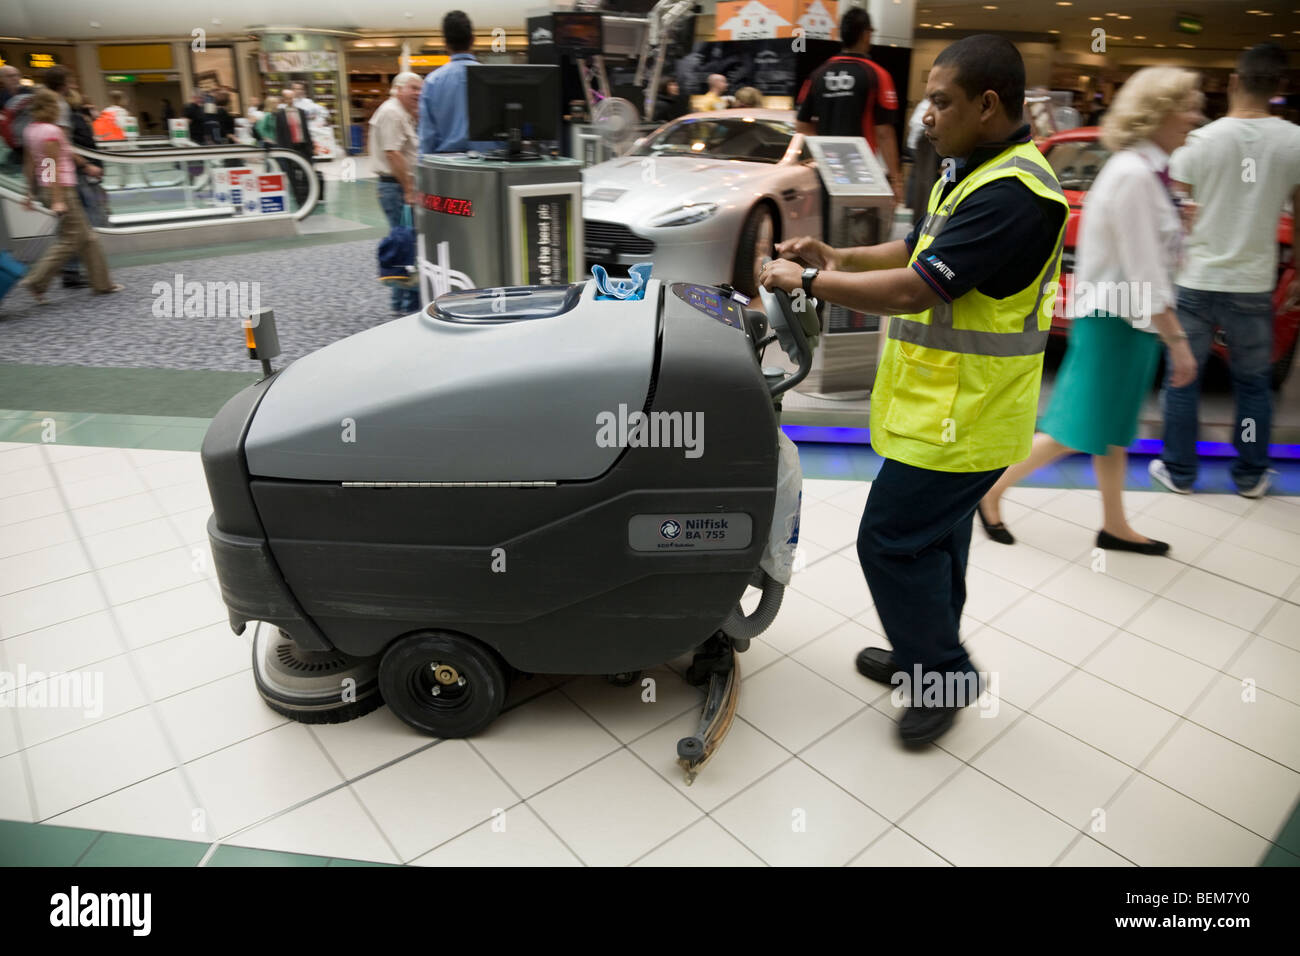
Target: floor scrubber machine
[[534, 480]]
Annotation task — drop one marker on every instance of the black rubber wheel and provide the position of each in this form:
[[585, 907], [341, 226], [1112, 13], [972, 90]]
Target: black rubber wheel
[[690, 748], [1282, 367], [625, 679], [443, 684], [312, 687], [756, 239]]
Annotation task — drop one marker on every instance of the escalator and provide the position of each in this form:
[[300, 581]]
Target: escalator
[[165, 196]]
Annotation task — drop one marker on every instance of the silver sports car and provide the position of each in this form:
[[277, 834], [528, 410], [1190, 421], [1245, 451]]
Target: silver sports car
[[703, 198]]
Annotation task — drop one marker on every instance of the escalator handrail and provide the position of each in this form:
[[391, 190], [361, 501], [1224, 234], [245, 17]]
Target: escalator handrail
[[140, 157]]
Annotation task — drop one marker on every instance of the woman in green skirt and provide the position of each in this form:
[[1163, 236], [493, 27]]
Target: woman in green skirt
[[1122, 301]]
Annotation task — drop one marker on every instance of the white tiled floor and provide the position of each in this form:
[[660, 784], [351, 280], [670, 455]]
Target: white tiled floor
[[1133, 698]]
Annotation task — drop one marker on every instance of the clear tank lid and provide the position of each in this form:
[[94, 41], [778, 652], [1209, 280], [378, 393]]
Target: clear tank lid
[[508, 304]]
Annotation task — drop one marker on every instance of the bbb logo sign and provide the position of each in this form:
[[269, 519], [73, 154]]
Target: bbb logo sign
[[838, 82], [670, 529]]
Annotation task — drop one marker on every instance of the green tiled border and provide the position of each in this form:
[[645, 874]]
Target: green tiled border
[[42, 844], [105, 431]]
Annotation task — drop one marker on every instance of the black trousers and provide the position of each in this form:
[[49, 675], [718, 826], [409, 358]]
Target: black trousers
[[913, 544]]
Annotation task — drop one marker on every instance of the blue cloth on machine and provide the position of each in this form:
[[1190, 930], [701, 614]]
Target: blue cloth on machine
[[632, 288]]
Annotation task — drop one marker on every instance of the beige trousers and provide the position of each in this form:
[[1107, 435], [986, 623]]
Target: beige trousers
[[74, 237]]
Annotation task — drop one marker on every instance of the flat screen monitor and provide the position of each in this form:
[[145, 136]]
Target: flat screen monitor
[[515, 104]]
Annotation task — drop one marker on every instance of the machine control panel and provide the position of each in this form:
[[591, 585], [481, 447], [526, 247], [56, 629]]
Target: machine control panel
[[712, 302]]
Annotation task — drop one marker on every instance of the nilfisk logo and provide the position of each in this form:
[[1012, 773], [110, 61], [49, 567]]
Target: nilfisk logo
[[75, 909], [670, 529], [654, 430]]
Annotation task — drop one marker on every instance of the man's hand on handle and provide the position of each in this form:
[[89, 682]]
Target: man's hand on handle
[[812, 251]]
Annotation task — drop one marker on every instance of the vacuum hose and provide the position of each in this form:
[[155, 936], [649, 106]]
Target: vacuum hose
[[742, 627]]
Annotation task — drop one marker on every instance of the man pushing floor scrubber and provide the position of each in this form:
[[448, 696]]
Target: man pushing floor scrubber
[[970, 293]]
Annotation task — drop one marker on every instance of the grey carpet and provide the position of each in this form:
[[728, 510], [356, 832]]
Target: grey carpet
[[320, 294]]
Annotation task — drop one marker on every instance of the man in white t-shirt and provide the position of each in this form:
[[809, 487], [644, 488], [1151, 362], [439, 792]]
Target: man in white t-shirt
[[1240, 170]]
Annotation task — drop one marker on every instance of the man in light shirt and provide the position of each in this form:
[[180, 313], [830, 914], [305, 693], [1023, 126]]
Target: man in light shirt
[[1240, 169], [393, 148]]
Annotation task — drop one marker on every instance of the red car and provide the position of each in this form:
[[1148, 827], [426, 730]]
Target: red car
[[1077, 156]]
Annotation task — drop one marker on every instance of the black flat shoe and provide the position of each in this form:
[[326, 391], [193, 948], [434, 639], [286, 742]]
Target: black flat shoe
[[1108, 542], [877, 664], [996, 532], [923, 725]]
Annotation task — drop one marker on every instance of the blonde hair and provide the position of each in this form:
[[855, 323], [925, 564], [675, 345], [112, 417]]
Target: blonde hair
[[44, 106], [270, 104], [1143, 102], [748, 96]]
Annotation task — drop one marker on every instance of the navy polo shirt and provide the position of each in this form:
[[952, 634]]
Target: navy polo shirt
[[998, 238]]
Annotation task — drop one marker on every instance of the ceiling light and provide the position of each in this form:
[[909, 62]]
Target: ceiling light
[[1064, 3], [1053, 31], [1277, 34], [1161, 45], [1139, 37], [990, 6], [1187, 46], [1094, 18], [1124, 16]]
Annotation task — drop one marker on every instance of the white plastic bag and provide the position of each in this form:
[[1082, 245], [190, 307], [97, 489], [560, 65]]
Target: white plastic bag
[[783, 540]]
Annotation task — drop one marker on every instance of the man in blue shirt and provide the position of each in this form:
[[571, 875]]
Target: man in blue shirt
[[444, 108]]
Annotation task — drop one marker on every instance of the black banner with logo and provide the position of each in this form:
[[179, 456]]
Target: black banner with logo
[[548, 236]]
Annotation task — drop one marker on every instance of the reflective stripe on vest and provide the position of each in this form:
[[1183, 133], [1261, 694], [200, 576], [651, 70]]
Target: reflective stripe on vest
[[935, 222]]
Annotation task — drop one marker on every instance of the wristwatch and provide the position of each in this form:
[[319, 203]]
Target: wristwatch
[[808, 275]]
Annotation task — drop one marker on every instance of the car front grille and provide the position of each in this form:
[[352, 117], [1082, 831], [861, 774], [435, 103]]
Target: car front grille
[[616, 237]]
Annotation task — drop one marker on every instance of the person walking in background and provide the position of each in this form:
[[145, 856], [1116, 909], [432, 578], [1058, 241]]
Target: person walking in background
[[264, 127], [11, 81], [716, 98], [116, 110], [393, 146], [444, 104], [670, 104], [292, 132], [1240, 170], [52, 175], [196, 114], [749, 97], [852, 95], [1129, 239]]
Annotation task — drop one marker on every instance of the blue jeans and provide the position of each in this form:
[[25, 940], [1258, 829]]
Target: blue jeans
[[913, 545], [1247, 320], [392, 200]]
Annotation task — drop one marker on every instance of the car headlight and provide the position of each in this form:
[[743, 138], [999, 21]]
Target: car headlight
[[685, 215]]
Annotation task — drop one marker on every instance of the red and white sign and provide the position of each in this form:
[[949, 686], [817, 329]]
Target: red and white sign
[[226, 184], [271, 192]]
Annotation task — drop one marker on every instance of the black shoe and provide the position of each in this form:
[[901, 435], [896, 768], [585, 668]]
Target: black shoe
[[997, 532], [923, 725], [1108, 542], [74, 282], [877, 664]]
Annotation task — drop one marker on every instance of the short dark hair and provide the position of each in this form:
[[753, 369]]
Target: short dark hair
[[853, 24], [987, 62], [457, 31], [1260, 69], [56, 79]]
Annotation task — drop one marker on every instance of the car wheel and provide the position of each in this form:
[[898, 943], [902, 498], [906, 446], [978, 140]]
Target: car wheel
[[755, 245]]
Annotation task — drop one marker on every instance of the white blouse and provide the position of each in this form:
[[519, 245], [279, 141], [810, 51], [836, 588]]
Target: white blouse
[[1130, 240]]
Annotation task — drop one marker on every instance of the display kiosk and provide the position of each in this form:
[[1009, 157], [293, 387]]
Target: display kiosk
[[486, 223], [859, 212]]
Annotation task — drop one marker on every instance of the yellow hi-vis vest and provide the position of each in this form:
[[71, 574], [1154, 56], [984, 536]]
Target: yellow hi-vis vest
[[957, 386]]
